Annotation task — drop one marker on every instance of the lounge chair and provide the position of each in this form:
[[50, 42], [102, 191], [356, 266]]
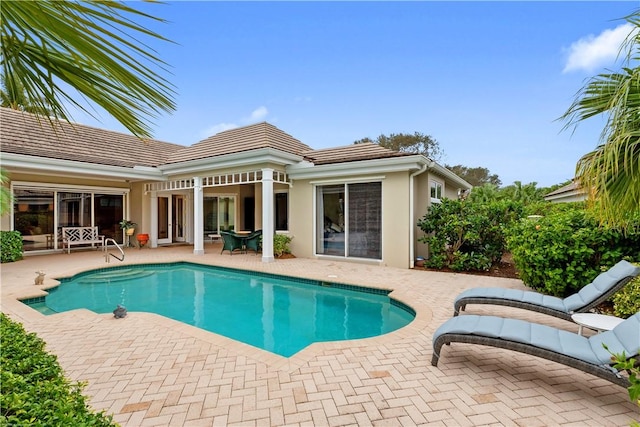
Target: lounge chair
[[568, 348], [252, 242], [592, 295], [231, 242]]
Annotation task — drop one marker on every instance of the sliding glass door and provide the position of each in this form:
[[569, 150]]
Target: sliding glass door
[[40, 213], [219, 214], [349, 220], [33, 217]]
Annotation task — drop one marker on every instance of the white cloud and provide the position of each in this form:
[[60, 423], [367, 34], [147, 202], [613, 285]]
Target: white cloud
[[220, 127], [592, 52], [257, 115]]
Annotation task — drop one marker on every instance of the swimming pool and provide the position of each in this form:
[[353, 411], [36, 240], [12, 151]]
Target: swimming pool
[[279, 314]]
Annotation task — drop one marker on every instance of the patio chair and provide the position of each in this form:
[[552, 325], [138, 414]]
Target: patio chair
[[253, 241], [584, 353], [231, 242], [601, 289]]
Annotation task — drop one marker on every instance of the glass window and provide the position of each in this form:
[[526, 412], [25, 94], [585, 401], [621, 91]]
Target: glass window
[[108, 214], [282, 211], [365, 220], [36, 211], [330, 203], [436, 191], [34, 218], [219, 214], [349, 220], [74, 209]]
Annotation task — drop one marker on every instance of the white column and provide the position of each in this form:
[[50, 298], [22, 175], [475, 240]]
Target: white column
[[153, 235], [198, 226], [189, 225], [267, 215]]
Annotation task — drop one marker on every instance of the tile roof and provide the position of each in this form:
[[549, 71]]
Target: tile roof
[[572, 186], [350, 153], [23, 133], [251, 137]]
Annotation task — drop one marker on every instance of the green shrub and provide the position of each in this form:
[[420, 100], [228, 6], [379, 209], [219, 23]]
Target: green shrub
[[10, 246], [632, 366], [560, 253], [34, 390], [281, 244], [467, 235], [626, 302]]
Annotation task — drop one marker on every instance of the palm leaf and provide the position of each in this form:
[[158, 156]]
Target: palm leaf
[[611, 172], [92, 47]]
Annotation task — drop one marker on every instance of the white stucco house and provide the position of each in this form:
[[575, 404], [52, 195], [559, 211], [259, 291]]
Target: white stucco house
[[358, 202]]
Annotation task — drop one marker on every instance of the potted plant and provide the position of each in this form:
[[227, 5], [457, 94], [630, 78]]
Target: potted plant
[[128, 226], [142, 238]]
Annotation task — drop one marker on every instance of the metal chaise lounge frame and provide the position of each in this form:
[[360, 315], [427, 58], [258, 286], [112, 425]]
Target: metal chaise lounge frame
[[584, 353], [601, 289]]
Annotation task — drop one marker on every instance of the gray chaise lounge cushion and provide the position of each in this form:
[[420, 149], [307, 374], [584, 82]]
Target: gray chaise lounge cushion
[[527, 337], [602, 286]]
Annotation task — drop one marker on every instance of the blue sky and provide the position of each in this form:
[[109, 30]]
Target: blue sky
[[487, 80]]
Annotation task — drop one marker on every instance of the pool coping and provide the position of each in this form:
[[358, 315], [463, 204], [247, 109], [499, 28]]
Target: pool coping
[[422, 313]]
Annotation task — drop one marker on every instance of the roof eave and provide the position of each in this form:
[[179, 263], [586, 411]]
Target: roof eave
[[306, 170], [565, 194], [44, 165], [243, 158], [441, 170]]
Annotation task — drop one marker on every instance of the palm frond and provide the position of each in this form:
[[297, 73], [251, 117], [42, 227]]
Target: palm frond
[[92, 47]]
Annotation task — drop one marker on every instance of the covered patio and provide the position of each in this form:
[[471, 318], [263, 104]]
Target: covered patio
[[188, 221]]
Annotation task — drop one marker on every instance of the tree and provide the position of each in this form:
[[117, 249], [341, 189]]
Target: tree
[[526, 194], [12, 95], [611, 172], [485, 193], [475, 176], [94, 48], [418, 143]]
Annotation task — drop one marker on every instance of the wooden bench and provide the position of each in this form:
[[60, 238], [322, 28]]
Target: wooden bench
[[80, 236]]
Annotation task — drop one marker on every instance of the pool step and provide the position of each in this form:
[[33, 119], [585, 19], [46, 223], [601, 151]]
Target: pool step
[[115, 276], [42, 308]]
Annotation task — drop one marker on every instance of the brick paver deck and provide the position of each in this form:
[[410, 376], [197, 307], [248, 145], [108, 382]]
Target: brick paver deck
[[147, 370]]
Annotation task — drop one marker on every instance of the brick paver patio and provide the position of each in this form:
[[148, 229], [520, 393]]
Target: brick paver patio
[[147, 370]]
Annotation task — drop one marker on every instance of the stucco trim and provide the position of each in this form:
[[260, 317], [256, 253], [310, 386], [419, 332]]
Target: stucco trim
[[48, 166], [243, 158]]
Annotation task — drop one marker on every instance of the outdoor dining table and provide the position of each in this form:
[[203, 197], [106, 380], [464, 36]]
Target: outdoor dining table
[[243, 235]]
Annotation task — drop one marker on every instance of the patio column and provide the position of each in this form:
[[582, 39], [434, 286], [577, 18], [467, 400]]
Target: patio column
[[153, 235], [267, 215], [198, 226]]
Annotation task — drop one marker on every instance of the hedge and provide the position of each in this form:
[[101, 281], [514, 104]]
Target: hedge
[[34, 391]]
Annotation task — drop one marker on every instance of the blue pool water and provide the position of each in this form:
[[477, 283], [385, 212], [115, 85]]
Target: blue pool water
[[280, 314]]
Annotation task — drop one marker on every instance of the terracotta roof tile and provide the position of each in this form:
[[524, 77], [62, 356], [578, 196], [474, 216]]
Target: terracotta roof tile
[[24, 133]]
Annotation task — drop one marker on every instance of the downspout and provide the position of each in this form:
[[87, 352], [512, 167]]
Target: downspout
[[412, 219]]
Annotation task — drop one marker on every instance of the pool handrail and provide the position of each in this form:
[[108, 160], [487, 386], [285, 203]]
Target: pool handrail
[[107, 253]]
